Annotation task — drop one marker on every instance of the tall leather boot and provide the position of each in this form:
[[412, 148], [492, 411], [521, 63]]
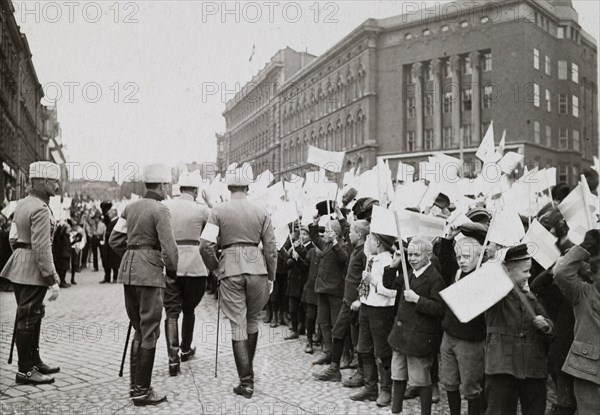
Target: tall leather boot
[[384, 366], [369, 391], [42, 367], [454, 402], [187, 335], [252, 341], [426, 396], [172, 337], [143, 393], [133, 358], [28, 374], [244, 368]]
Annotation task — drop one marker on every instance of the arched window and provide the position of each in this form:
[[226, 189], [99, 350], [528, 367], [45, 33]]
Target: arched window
[[313, 139], [321, 138], [298, 154], [284, 119], [349, 133], [330, 97], [360, 84], [339, 92], [360, 127], [329, 137], [305, 149], [320, 102], [339, 145], [347, 90]]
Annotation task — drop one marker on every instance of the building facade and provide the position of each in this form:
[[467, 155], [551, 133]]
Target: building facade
[[432, 81], [22, 140]]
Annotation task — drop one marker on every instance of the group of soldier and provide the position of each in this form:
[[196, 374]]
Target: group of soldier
[[359, 287]]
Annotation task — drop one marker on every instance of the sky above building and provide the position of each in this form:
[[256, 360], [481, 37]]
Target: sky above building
[[146, 81]]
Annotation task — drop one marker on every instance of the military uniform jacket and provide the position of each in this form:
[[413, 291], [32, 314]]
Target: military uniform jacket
[[33, 225], [239, 227], [188, 218], [145, 224], [583, 360]]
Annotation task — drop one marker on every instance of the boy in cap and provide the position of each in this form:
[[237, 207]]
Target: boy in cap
[[415, 333], [329, 284], [463, 344], [376, 316], [583, 360], [31, 270], [515, 356], [297, 270]]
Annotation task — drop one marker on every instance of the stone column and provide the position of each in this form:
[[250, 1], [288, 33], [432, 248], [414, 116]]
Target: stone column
[[419, 105], [455, 62], [476, 99], [437, 103]]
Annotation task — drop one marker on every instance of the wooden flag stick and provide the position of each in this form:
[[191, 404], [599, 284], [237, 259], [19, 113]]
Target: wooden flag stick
[[402, 259]]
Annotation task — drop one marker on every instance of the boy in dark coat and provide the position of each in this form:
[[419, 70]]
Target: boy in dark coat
[[583, 360], [297, 272], [415, 334], [330, 280]]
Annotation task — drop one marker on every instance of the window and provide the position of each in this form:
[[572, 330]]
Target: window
[[487, 61], [563, 138], [562, 173], [487, 96], [548, 101], [428, 139], [447, 67], [410, 107], [448, 137], [548, 65], [428, 105], [562, 104], [467, 99], [549, 136], [575, 139], [430, 71], [562, 70], [410, 140], [448, 102], [560, 32], [536, 58], [575, 105], [466, 135], [575, 73], [536, 95], [536, 131], [467, 68]]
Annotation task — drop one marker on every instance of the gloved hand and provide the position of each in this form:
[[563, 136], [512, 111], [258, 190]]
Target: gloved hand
[[172, 274], [591, 242], [55, 292]]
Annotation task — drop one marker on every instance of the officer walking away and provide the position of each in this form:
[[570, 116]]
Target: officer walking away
[[188, 218], [144, 232], [245, 270], [31, 270]]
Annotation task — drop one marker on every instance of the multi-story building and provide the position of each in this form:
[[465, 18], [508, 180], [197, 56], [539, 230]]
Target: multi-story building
[[21, 112], [433, 80], [253, 117]]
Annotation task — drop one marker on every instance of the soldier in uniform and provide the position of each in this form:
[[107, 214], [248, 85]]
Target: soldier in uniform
[[245, 270], [144, 232], [31, 270], [184, 294]]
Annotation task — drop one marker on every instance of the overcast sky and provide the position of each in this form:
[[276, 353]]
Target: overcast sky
[[132, 83]]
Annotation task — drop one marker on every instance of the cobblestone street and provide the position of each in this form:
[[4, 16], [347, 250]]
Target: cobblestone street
[[84, 333]]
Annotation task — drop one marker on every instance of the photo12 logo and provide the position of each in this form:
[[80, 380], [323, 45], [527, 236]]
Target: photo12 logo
[[76, 11], [90, 92], [269, 11]]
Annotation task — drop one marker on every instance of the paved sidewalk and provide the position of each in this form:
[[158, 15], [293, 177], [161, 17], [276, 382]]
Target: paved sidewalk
[[84, 333]]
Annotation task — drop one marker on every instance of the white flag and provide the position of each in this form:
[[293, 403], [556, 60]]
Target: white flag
[[506, 228], [542, 244], [383, 221], [486, 151], [406, 173], [328, 160], [510, 161], [478, 292]]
